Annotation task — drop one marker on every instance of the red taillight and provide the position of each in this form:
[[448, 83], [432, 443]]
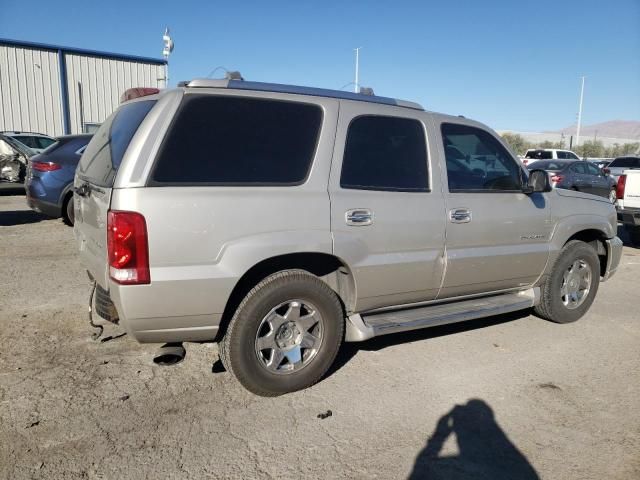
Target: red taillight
[[622, 182], [127, 247], [132, 93], [557, 178], [45, 166]]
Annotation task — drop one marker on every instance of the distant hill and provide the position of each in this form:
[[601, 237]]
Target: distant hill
[[615, 129]]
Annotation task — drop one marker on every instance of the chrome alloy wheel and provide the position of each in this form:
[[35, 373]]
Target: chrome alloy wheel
[[289, 336], [576, 283]]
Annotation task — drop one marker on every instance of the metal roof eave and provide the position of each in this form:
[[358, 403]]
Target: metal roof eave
[[81, 51]]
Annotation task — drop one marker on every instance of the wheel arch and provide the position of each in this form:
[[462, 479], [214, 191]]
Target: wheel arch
[[595, 238], [329, 268]]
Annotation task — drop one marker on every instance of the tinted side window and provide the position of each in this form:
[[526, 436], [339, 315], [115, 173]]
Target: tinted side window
[[562, 154], [385, 153], [592, 169], [572, 156], [221, 140], [477, 161], [578, 168], [104, 152]]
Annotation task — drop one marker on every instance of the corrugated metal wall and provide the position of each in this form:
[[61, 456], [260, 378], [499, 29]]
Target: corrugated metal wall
[[30, 90], [31, 96], [95, 85]]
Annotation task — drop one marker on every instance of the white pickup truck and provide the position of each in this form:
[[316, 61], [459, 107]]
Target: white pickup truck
[[628, 192]]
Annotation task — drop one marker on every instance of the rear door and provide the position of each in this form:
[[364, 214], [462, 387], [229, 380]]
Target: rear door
[[94, 180], [600, 183], [497, 236], [387, 210], [581, 181]]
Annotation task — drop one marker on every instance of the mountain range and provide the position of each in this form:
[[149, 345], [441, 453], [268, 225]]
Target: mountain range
[[627, 129]]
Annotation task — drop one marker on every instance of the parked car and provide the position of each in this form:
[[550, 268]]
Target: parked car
[[35, 141], [13, 160], [49, 180], [629, 203], [534, 154], [578, 175], [315, 216], [620, 164], [601, 163]]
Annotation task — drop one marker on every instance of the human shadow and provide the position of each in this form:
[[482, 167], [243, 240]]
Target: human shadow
[[485, 451]]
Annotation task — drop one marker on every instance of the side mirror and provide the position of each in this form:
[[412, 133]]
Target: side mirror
[[606, 171], [538, 182]]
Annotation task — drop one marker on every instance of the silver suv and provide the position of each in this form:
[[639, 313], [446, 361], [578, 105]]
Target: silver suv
[[281, 221]]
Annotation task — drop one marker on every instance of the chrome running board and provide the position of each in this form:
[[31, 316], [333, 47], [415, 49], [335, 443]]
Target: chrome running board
[[364, 326]]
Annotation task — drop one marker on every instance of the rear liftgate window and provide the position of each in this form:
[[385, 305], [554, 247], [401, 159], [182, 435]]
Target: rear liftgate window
[[220, 140], [104, 153]]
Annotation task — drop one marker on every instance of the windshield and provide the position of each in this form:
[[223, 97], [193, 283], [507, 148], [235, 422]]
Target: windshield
[[104, 152], [625, 162]]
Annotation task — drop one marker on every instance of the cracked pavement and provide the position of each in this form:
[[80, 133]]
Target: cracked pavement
[[506, 397]]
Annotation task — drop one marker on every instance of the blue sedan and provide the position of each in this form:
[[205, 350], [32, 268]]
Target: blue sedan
[[49, 178]]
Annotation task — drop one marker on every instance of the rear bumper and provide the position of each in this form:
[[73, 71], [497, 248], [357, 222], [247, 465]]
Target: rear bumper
[[614, 254], [49, 209], [114, 306]]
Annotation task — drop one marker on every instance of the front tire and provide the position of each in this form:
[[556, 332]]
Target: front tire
[[571, 287], [285, 334]]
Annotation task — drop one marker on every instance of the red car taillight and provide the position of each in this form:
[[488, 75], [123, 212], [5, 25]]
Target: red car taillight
[[45, 166], [622, 182], [128, 248], [557, 178]]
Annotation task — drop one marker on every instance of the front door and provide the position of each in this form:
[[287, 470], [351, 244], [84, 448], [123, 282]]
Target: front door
[[387, 223], [497, 236]]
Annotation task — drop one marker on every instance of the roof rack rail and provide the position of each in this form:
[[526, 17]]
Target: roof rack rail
[[365, 95]]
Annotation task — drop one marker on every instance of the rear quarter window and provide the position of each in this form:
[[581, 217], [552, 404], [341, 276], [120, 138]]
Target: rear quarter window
[[228, 141], [104, 153]]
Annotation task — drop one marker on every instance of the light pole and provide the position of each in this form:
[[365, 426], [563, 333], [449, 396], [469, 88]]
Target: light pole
[[356, 85], [166, 51], [580, 113]]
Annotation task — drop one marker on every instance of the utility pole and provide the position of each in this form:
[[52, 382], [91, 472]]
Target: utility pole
[[356, 84], [166, 51], [580, 113]]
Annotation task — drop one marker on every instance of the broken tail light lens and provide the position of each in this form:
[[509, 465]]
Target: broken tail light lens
[[622, 183], [128, 248], [45, 166]]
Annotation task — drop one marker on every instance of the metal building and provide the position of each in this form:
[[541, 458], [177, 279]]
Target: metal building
[[60, 90]]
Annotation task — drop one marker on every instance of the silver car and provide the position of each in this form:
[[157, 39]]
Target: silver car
[[316, 216]]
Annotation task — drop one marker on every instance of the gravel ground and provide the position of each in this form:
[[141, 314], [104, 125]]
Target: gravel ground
[[507, 397]]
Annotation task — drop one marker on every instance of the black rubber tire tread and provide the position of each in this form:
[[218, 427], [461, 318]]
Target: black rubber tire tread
[[550, 306], [65, 217], [231, 349]]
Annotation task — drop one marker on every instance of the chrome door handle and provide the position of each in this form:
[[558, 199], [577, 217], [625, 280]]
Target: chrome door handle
[[359, 217], [460, 215]]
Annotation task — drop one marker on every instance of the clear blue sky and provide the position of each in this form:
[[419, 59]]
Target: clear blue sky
[[511, 64]]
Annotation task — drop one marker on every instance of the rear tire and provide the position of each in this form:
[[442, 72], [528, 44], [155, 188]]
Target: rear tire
[[68, 212], [571, 287], [285, 334]]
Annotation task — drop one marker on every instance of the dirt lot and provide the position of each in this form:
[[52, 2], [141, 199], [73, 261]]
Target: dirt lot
[[507, 397]]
